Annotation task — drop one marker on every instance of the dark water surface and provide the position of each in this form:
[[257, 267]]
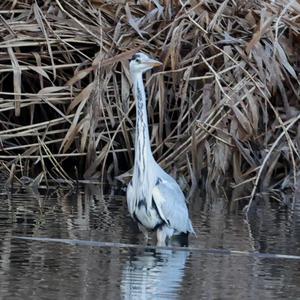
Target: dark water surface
[[49, 270]]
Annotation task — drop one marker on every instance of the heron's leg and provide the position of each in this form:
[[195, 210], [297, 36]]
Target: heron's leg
[[163, 235], [144, 231]]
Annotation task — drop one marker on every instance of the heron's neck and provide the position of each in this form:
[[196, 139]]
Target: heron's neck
[[142, 142]]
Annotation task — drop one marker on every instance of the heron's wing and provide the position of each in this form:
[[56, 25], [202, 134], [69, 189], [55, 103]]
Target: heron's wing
[[171, 205]]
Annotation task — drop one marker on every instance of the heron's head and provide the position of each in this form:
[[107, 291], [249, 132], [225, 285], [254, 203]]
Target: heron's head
[[141, 63]]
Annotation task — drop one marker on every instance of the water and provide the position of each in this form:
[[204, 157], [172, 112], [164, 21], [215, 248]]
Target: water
[[52, 270]]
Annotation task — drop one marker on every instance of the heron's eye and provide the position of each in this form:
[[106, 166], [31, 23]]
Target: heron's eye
[[138, 60]]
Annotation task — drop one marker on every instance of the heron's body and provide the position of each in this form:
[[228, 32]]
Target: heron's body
[[154, 198]]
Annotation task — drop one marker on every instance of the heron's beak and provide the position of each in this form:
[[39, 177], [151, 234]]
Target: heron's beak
[[153, 63]]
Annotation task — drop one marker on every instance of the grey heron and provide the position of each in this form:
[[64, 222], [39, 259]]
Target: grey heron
[[154, 198]]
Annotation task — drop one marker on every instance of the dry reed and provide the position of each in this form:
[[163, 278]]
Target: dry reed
[[223, 108]]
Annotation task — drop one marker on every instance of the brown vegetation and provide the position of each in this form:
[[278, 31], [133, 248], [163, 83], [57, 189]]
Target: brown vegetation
[[224, 106]]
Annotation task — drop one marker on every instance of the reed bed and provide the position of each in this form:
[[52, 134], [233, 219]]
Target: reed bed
[[223, 108]]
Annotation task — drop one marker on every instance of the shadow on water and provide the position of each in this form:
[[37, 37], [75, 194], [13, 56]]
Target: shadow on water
[[32, 269]]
